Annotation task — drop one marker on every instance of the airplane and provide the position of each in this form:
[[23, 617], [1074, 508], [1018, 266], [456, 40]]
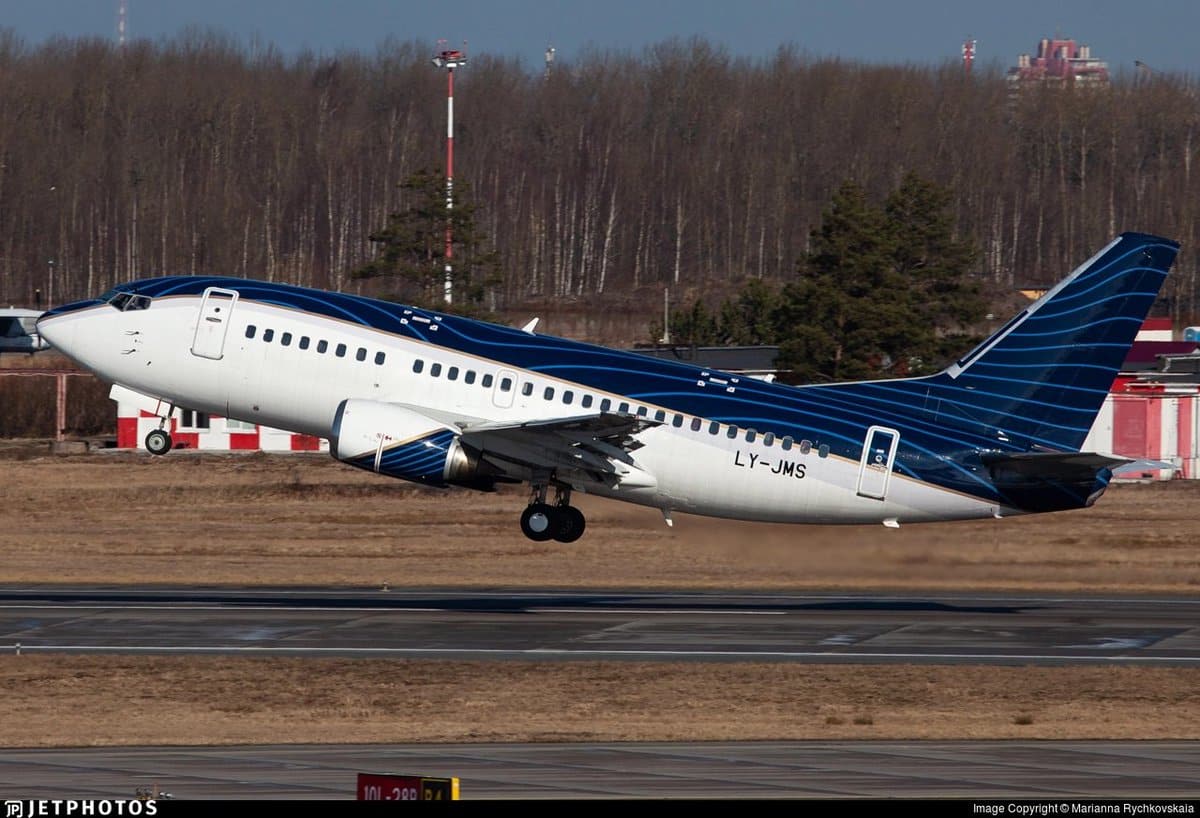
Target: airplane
[[445, 400], [17, 333]]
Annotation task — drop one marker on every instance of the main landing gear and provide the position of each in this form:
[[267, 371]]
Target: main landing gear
[[561, 521]]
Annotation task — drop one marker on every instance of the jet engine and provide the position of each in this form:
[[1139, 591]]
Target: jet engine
[[400, 442]]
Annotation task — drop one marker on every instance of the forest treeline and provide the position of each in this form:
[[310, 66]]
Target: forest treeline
[[613, 176]]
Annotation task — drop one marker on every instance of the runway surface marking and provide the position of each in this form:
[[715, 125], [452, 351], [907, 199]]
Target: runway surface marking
[[618, 625]]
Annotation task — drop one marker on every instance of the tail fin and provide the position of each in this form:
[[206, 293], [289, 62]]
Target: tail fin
[[1044, 375]]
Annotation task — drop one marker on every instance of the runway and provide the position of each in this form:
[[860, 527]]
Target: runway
[[1051, 769], [617, 625]]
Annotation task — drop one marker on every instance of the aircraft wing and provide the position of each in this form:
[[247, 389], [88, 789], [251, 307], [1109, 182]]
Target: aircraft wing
[[600, 445]]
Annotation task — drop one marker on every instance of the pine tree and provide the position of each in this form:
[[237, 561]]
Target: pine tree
[[413, 255], [883, 291]]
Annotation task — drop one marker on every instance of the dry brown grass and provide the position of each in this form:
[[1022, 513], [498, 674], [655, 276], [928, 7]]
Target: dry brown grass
[[89, 700], [126, 518]]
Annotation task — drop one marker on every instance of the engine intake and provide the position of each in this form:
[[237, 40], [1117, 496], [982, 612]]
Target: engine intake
[[399, 442]]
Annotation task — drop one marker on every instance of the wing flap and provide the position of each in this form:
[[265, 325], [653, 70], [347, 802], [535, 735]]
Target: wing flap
[[600, 445]]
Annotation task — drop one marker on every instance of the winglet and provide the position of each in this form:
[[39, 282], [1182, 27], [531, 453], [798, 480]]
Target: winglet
[[533, 322]]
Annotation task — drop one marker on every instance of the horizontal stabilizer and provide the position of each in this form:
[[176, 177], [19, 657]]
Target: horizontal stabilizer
[[1053, 465], [1136, 467], [1050, 481]]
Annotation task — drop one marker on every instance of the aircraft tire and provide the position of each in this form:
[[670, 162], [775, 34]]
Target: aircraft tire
[[158, 442], [539, 522], [571, 524]]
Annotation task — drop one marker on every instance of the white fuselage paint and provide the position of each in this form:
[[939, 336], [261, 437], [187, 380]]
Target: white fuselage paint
[[150, 351]]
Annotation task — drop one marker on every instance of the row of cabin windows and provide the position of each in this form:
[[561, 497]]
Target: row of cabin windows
[[286, 338], [586, 401]]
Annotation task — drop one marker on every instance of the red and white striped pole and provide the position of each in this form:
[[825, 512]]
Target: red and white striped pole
[[449, 59]]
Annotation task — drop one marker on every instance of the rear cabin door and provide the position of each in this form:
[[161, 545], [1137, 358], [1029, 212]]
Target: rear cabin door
[[216, 310], [875, 470]]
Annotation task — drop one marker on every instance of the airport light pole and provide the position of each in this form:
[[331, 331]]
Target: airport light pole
[[449, 59]]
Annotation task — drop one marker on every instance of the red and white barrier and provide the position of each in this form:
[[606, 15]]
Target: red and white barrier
[[138, 415]]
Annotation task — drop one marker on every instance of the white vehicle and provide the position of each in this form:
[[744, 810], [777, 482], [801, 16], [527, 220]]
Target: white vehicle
[[18, 332], [445, 400]]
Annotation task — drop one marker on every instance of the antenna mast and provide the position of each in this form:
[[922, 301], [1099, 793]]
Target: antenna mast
[[449, 59], [122, 21]]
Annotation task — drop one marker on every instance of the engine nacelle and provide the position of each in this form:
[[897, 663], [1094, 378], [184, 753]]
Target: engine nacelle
[[398, 442]]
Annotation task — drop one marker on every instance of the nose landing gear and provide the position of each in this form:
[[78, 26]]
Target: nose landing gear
[[158, 441], [562, 521]]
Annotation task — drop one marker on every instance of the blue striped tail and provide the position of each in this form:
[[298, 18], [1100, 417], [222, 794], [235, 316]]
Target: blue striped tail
[[1038, 382]]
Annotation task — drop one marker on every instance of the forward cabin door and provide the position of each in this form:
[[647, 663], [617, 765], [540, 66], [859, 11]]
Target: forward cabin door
[[879, 453], [216, 310]]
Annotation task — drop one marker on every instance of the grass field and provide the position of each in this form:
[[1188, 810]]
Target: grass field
[[287, 519], [257, 519], [89, 700]]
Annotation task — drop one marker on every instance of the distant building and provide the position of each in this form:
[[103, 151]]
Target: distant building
[[1060, 61]]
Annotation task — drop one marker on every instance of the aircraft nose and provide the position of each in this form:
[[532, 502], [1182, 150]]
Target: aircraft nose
[[56, 330]]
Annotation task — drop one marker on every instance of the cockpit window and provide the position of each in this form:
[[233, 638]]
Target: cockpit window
[[125, 302]]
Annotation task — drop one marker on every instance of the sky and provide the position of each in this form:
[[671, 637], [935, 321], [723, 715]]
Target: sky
[[1160, 33]]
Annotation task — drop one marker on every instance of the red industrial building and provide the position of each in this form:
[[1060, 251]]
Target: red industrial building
[[1152, 411], [1060, 60]]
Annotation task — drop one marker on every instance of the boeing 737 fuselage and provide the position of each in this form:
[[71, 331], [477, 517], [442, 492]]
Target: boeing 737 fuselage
[[446, 400]]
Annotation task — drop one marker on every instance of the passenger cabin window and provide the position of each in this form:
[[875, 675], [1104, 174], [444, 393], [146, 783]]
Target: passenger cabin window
[[786, 443], [418, 364], [623, 408], [677, 421], [340, 351], [322, 346], [768, 438], [506, 384], [548, 394], [696, 424], [587, 401], [527, 388], [304, 341], [605, 405], [285, 339], [732, 433], [486, 381], [714, 428], [660, 415], [823, 450], [805, 446], [452, 373], [268, 335], [380, 357], [250, 330], [642, 411], [568, 396], [470, 376], [436, 370], [751, 435], [361, 355]]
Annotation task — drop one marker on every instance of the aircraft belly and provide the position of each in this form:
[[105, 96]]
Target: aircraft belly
[[771, 485]]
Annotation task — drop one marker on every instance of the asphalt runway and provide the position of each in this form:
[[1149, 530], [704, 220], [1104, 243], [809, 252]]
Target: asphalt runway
[[934, 769], [566, 625]]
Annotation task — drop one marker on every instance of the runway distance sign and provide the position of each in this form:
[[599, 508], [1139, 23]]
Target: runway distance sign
[[374, 787]]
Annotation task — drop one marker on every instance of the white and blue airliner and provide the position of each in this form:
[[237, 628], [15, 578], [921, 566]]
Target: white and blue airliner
[[450, 401]]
